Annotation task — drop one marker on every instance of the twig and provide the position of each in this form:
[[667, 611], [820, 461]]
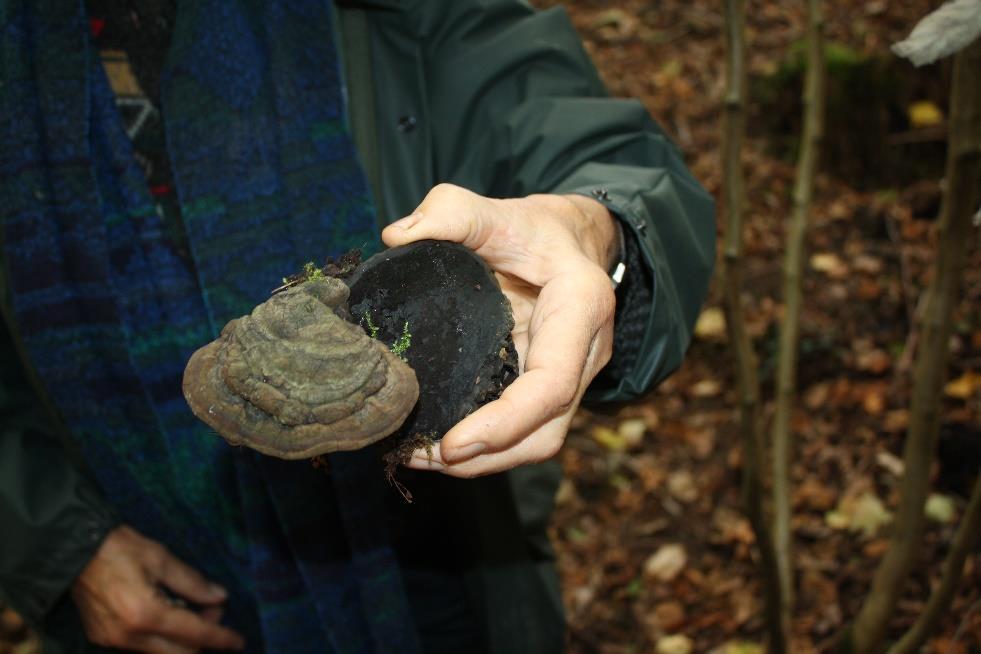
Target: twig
[[963, 544], [905, 361], [742, 347], [966, 620], [793, 263], [906, 278]]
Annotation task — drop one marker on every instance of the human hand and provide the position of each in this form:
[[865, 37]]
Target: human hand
[[121, 604], [550, 254]]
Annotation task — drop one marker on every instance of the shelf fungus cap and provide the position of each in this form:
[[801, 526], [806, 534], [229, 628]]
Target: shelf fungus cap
[[294, 380]]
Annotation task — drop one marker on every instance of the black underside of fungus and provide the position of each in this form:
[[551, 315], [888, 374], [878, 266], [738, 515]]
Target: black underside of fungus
[[460, 324]]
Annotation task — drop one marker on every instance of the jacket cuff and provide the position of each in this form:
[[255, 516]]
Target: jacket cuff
[[657, 310], [635, 294]]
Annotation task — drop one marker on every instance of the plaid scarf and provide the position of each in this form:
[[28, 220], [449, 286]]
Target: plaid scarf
[[267, 178]]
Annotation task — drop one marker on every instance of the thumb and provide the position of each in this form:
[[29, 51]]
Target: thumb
[[447, 213]]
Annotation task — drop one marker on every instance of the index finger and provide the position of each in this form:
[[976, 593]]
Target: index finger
[[191, 629]]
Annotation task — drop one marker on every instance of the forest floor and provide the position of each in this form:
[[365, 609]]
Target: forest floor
[[654, 551]]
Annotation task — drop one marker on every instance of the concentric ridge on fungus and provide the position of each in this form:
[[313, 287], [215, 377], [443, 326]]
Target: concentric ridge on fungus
[[295, 380]]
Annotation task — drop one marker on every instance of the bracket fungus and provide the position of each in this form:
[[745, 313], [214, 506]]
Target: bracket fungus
[[294, 379], [298, 377]]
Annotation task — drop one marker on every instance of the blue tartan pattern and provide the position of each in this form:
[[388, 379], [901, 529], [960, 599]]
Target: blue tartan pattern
[[267, 178]]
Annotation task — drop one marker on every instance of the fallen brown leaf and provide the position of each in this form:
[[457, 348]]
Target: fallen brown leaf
[[666, 563], [711, 324], [670, 616], [964, 386]]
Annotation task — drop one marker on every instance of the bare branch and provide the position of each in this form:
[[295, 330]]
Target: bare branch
[[813, 133], [742, 347]]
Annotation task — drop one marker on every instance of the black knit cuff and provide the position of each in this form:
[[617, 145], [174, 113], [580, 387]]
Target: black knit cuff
[[634, 300]]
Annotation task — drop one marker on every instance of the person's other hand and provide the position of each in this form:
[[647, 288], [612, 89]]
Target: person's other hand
[[120, 600], [551, 254]]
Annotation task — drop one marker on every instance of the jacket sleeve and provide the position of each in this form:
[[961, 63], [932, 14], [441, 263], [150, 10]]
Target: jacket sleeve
[[53, 516], [518, 108]]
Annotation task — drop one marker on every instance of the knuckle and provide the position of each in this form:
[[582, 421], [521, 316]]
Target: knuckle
[[444, 190], [564, 393], [134, 615]]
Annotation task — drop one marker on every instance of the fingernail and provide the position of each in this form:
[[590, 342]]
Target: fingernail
[[464, 453], [424, 463], [218, 592], [408, 221]]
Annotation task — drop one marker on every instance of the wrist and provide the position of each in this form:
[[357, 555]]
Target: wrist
[[599, 231], [592, 224]]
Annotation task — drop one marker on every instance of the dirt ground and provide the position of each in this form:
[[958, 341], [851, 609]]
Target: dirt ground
[[653, 549]]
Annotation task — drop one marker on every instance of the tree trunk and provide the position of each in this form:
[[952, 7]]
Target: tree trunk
[[813, 133], [739, 341], [960, 202]]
